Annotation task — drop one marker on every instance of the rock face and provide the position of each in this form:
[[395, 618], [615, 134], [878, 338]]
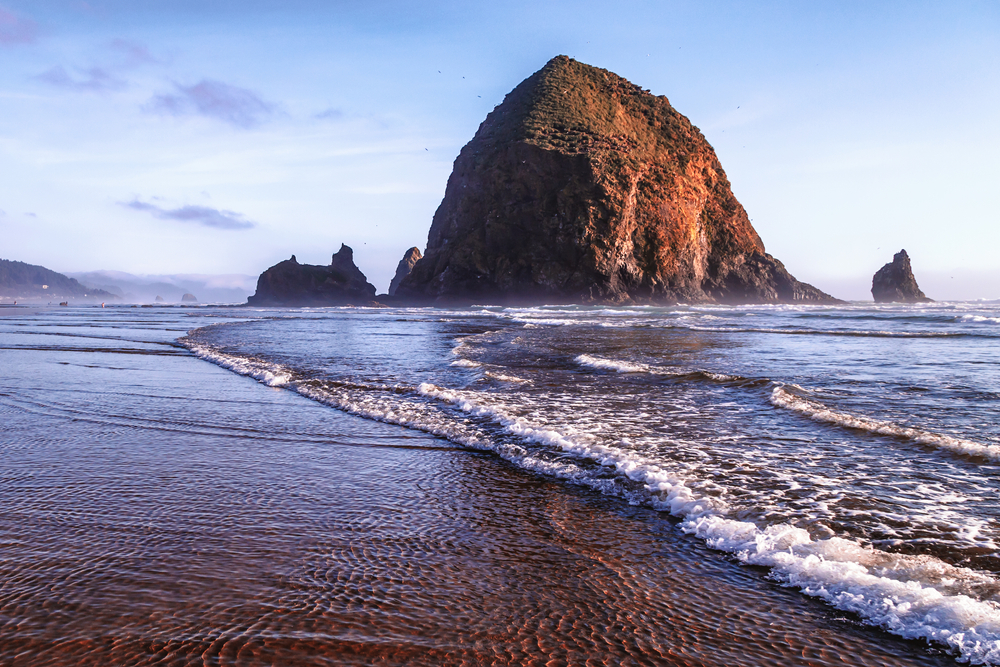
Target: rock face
[[189, 298], [289, 283], [403, 268], [895, 282], [582, 187]]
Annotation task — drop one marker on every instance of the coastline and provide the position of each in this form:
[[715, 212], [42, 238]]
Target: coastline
[[172, 510]]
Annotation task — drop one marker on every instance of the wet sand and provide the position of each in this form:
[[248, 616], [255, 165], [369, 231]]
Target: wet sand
[[160, 510]]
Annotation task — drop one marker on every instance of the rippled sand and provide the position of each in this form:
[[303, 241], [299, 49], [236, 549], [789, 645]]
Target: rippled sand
[[160, 510]]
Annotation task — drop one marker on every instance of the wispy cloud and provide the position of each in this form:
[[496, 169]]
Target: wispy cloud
[[16, 30], [134, 53], [332, 113], [93, 79], [200, 215], [215, 99]]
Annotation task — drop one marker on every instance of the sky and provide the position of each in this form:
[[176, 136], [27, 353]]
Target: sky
[[201, 136]]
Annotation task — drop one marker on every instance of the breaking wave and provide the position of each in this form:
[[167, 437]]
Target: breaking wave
[[783, 398], [911, 596]]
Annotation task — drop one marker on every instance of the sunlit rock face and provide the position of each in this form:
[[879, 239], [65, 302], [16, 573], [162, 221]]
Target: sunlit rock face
[[895, 282], [289, 283], [582, 187]]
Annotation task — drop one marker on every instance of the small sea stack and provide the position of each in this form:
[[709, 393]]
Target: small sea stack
[[895, 282], [403, 268], [289, 283], [189, 298]]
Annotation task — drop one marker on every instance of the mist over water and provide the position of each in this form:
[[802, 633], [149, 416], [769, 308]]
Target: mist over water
[[592, 472]]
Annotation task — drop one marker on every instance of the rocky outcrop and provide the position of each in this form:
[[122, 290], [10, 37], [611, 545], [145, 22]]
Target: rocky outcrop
[[895, 282], [289, 283], [582, 187], [403, 268], [189, 298]]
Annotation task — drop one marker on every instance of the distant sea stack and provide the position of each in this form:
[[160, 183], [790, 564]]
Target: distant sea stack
[[403, 269], [582, 187], [189, 298], [289, 283], [895, 282]]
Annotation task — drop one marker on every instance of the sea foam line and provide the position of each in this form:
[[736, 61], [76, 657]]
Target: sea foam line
[[782, 398], [620, 366], [911, 596]]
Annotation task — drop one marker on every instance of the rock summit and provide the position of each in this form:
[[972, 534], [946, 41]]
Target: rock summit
[[583, 187]]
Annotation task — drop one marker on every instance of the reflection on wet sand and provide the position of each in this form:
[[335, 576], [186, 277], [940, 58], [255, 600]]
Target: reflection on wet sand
[[160, 510]]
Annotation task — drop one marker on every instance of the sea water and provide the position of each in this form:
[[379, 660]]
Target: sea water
[[836, 462]]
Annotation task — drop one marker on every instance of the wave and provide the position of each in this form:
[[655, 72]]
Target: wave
[[911, 596], [818, 332], [783, 398], [979, 318], [620, 366], [611, 364]]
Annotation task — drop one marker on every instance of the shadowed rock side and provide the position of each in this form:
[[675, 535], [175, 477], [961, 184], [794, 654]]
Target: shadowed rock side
[[289, 283], [895, 282], [582, 187], [403, 268]]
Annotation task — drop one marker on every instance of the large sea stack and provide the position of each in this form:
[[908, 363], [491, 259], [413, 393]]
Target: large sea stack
[[582, 187], [289, 283], [895, 282]]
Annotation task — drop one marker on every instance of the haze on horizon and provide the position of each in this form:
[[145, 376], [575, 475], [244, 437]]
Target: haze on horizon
[[222, 137]]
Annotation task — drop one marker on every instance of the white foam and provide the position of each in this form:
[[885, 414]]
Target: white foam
[[611, 364], [273, 375], [782, 398], [911, 596], [466, 363], [506, 378]]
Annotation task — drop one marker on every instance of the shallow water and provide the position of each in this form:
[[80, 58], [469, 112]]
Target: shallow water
[[499, 486]]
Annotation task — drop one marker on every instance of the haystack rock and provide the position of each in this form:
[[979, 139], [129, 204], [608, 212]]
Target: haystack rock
[[189, 298], [582, 187], [895, 282], [289, 283], [403, 268]]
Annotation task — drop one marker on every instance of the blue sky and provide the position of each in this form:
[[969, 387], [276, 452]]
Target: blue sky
[[221, 137]]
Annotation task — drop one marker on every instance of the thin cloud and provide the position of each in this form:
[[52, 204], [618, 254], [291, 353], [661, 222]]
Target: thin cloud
[[200, 215], [16, 30], [94, 79], [215, 99], [330, 114], [134, 52]]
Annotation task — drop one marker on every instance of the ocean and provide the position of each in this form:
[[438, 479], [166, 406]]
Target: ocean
[[685, 485]]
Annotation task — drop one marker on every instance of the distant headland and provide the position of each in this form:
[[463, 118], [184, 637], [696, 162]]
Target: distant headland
[[29, 282]]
